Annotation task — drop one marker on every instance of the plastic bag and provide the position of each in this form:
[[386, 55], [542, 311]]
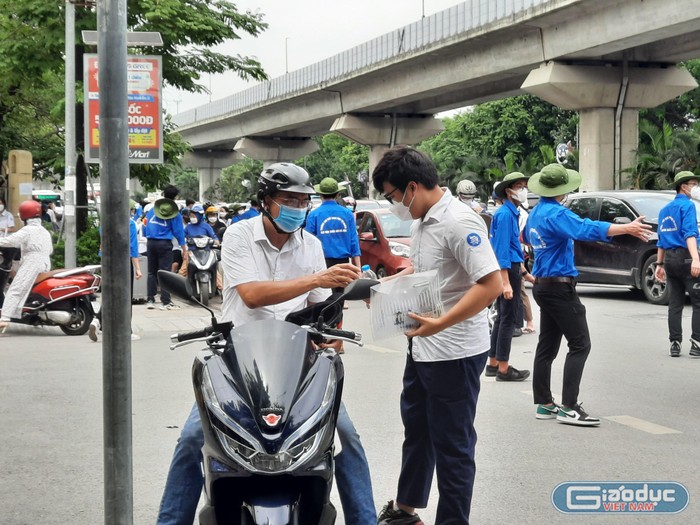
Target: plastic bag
[[392, 300]]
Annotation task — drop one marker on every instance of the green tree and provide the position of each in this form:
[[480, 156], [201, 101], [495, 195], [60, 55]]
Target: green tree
[[31, 60], [496, 138], [663, 152], [187, 182], [237, 183], [338, 158]]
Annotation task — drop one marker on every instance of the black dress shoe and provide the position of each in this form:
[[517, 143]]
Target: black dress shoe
[[517, 332]]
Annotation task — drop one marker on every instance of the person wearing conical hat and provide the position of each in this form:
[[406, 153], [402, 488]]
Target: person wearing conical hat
[[551, 230], [163, 224], [678, 262], [505, 240]]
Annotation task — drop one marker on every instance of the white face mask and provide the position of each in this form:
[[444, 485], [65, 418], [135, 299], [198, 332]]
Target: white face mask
[[695, 193], [194, 220], [521, 196], [2, 208], [211, 219], [402, 211]]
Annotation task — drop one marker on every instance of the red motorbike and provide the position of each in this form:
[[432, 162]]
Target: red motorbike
[[63, 298]]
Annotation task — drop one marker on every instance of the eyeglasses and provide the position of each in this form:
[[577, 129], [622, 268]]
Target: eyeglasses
[[387, 196], [292, 202]]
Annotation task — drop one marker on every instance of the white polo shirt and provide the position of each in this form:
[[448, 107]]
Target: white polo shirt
[[7, 221], [247, 256], [453, 239]]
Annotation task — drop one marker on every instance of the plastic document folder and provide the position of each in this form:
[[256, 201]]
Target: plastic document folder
[[393, 300]]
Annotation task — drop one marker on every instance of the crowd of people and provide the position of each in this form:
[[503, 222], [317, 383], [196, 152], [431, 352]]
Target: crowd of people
[[271, 268]]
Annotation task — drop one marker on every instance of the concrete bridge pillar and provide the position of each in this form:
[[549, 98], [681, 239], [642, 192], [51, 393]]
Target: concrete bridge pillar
[[382, 132], [209, 164], [271, 150], [608, 99]]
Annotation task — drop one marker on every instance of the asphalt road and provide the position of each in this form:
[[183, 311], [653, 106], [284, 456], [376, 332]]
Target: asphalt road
[[51, 433]]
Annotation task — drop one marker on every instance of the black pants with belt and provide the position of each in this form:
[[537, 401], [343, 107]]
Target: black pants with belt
[[678, 279], [561, 314]]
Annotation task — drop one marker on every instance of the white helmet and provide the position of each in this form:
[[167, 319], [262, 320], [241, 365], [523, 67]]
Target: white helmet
[[466, 189]]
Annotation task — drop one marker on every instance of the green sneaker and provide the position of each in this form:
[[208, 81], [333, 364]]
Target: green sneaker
[[547, 411]]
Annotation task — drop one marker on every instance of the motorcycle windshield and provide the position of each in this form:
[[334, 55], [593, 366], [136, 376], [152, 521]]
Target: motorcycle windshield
[[269, 362]]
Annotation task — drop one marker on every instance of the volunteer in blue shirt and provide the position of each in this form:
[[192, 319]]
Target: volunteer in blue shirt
[[505, 241], [551, 230], [251, 212], [197, 227], [677, 259], [334, 225], [163, 223]]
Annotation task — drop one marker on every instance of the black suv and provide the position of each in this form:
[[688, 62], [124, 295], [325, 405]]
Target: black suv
[[625, 260]]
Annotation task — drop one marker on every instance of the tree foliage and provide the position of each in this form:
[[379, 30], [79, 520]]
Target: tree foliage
[[496, 138], [32, 37], [338, 158]]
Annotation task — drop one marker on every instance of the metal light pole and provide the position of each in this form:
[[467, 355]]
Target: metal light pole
[[69, 152], [286, 55], [116, 304]]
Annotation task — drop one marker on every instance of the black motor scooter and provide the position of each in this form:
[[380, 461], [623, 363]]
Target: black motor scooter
[[202, 266], [268, 398]]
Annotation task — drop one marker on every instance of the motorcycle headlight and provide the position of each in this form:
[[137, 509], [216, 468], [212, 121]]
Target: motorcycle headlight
[[201, 242], [399, 249], [251, 455]]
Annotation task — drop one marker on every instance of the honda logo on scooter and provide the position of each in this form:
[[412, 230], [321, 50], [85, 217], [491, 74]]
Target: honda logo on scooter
[[271, 419]]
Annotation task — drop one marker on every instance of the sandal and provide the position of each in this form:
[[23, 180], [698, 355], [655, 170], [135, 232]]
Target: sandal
[[528, 330]]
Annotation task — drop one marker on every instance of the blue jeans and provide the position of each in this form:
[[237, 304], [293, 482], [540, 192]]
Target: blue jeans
[[184, 484]]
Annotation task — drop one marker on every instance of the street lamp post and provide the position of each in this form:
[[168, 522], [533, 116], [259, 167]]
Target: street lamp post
[[286, 55], [69, 147]]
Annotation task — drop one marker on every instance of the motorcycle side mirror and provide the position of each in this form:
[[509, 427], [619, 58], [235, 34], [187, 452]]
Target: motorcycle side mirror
[[355, 291], [179, 286], [359, 289]]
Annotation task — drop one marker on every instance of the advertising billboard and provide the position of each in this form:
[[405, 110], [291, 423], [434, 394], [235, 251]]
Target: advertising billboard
[[144, 75]]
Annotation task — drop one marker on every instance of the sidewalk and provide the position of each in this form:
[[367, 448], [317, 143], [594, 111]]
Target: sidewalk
[[188, 317]]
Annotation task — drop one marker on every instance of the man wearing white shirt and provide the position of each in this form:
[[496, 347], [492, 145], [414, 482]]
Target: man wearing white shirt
[[446, 354], [270, 270]]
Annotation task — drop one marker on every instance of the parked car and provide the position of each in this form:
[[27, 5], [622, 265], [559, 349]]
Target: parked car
[[625, 260], [370, 204], [384, 241]]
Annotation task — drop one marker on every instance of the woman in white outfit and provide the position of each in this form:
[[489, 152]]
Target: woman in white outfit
[[35, 242]]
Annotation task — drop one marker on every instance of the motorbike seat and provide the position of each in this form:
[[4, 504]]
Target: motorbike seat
[[47, 275]]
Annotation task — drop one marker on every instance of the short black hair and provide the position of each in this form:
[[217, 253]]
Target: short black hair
[[190, 202], [401, 165], [171, 192]]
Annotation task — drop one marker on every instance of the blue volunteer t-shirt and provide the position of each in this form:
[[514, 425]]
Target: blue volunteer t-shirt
[[551, 229], [334, 225], [677, 222]]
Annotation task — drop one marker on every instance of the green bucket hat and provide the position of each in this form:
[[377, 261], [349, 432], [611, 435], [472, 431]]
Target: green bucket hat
[[554, 180], [327, 186], [684, 176], [165, 209], [507, 182]]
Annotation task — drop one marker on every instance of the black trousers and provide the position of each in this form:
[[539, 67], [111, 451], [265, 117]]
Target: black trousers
[[160, 257], [438, 407], [678, 279], [561, 314], [509, 317]]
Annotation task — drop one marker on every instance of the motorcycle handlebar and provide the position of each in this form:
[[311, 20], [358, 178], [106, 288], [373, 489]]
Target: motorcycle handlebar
[[223, 328], [342, 333], [188, 336]]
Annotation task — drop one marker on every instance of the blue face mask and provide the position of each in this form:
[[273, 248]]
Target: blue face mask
[[290, 219]]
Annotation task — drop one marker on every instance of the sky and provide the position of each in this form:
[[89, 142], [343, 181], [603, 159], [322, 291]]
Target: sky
[[311, 31]]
